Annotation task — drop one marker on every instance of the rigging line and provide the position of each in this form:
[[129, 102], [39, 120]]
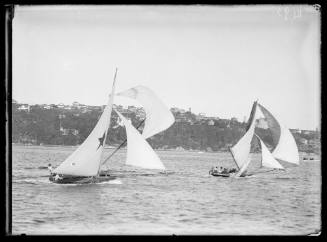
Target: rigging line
[[121, 145], [230, 150]]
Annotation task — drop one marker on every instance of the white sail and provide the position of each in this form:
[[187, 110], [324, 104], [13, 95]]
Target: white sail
[[158, 116], [267, 159], [85, 160], [242, 171], [139, 152], [241, 149], [285, 148]]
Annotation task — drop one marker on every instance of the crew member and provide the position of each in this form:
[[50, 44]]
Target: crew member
[[50, 168]]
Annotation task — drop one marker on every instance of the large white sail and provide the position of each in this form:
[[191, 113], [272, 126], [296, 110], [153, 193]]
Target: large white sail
[[158, 116], [267, 159], [139, 152], [285, 148], [85, 160], [241, 149]]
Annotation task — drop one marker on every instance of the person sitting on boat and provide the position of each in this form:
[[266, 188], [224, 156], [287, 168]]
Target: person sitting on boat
[[57, 177], [224, 170], [220, 169], [213, 170], [231, 170], [50, 168]]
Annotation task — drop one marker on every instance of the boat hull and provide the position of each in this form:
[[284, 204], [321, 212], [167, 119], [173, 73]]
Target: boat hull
[[80, 179], [220, 174], [215, 173]]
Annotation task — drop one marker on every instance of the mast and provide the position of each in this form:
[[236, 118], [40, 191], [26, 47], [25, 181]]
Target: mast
[[253, 110], [110, 98]]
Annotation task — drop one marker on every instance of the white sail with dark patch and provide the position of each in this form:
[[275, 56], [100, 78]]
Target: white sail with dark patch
[[267, 159], [285, 147], [158, 116], [139, 152], [85, 160], [241, 149]]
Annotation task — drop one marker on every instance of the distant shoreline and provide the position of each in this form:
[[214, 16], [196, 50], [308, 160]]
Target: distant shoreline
[[124, 148], [113, 147]]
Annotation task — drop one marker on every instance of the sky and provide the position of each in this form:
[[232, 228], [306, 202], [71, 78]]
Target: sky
[[213, 59]]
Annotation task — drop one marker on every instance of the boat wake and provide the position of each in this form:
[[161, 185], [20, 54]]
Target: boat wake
[[116, 182], [70, 184], [285, 178], [247, 176], [250, 176]]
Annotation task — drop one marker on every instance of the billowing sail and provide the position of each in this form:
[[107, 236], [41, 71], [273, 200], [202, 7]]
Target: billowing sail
[[285, 146], [85, 160], [273, 125], [267, 159], [139, 152], [241, 149], [158, 116]]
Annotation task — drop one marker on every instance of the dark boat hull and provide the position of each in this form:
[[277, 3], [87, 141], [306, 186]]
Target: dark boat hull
[[220, 174], [80, 179]]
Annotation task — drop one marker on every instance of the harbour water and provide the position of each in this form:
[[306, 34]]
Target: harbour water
[[186, 200]]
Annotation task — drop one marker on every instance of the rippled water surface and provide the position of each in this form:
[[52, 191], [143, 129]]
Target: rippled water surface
[[186, 200]]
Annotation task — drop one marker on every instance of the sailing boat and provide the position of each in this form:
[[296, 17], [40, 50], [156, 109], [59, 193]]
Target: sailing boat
[[158, 118], [83, 165], [285, 148]]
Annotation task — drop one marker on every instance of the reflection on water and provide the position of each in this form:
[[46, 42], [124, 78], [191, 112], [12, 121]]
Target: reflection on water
[[186, 200]]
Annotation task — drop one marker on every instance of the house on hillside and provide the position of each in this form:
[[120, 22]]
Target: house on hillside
[[262, 123], [200, 116], [46, 106], [233, 120], [303, 141], [307, 132], [177, 110], [211, 122], [69, 131], [298, 131], [24, 107]]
